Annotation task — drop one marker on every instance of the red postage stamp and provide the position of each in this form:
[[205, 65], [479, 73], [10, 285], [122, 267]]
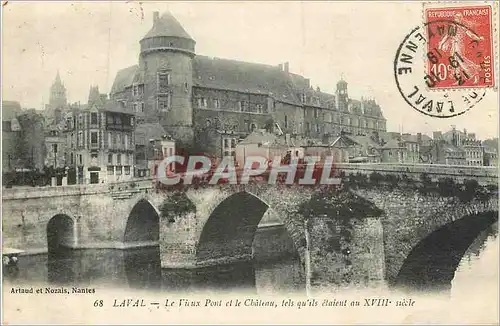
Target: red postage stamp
[[460, 47]]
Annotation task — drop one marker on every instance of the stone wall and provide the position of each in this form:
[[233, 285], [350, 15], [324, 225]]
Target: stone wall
[[409, 217]]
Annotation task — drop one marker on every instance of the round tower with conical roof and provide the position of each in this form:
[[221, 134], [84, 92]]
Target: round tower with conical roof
[[167, 52]]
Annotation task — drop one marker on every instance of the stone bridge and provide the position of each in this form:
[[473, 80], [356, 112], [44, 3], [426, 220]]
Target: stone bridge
[[417, 236]]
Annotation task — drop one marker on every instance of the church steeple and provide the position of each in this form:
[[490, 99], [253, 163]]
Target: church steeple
[[58, 79], [57, 98]]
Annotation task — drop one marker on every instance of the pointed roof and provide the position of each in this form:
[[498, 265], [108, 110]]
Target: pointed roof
[[167, 25], [58, 79]]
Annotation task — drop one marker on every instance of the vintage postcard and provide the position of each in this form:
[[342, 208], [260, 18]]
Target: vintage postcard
[[250, 162]]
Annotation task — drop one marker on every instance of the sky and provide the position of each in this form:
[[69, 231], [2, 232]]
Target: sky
[[324, 41]]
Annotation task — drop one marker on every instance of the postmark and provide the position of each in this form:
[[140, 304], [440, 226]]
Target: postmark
[[459, 47], [417, 85]]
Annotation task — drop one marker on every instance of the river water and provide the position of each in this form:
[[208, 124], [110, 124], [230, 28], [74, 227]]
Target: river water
[[477, 273]]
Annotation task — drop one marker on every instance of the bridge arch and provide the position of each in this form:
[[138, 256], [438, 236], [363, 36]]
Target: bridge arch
[[143, 223], [230, 229], [432, 263], [61, 233]]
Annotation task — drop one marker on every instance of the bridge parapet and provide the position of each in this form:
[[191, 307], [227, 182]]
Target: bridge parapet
[[483, 174]]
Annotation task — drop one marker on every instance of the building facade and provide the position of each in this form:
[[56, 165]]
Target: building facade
[[100, 140], [208, 104]]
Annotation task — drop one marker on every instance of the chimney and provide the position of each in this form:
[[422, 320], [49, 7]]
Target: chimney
[[286, 66], [280, 67], [156, 16], [419, 137]]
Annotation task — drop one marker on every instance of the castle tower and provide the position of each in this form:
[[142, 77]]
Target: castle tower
[[341, 95], [166, 57]]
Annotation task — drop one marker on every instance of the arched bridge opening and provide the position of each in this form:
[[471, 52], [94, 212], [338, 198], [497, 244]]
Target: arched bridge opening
[[432, 263], [60, 234], [143, 224], [230, 229]]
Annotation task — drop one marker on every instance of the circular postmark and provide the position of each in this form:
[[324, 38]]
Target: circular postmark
[[435, 80]]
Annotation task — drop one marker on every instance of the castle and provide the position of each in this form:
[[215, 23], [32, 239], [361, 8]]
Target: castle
[[203, 104], [209, 104]]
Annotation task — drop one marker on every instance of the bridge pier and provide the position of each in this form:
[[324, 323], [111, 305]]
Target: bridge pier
[[178, 239]]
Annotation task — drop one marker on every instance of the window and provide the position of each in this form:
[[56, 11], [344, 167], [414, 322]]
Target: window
[[110, 158], [136, 107], [286, 122], [93, 138], [229, 146], [80, 121], [260, 108], [127, 170], [54, 148], [216, 103], [111, 170], [118, 159], [125, 141], [308, 126], [69, 123], [71, 159], [186, 87], [163, 81], [304, 98], [118, 170], [93, 118], [317, 128], [118, 120], [164, 102], [126, 160], [135, 90], [93, 155], [253, 126], [81, 159], [118, 139], [141, 107], [242, 106], [80, 139], [202, 102], [316, 115]]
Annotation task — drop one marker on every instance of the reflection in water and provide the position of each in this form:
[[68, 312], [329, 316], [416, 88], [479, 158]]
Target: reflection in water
[[141, 269]]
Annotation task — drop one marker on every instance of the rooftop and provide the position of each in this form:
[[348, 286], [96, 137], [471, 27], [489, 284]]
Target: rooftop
[[166, 25]]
